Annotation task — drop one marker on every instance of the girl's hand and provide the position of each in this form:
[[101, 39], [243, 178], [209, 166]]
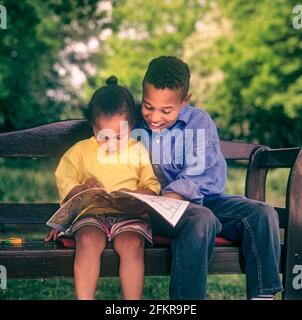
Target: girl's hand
[[102, 198], [125, 189], [131, 203], [92, 183], [53, 235]]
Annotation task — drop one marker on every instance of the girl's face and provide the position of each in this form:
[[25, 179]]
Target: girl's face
[[112, 132], [161, 107]]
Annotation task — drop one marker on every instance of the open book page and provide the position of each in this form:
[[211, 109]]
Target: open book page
[[170, 209], [98, 201], [92, 200]]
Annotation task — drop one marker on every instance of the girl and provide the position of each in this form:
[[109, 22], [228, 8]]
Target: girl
[[96, 162]]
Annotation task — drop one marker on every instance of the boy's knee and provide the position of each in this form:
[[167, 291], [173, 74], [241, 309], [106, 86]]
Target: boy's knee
[[265, 212], [263, 217], [203, 219]]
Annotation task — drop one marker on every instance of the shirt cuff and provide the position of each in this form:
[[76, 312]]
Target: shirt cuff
[[155, 187], [186, 188]]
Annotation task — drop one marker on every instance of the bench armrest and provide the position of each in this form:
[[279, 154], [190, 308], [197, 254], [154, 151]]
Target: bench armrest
[[261, 161]]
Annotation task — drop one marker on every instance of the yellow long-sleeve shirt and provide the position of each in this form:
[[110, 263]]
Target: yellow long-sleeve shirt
[[129, 168]]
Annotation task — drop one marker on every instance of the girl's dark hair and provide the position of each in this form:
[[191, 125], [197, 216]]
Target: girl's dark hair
[[109, 100]]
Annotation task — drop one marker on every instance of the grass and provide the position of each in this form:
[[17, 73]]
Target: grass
[[33, 181], [219, 288]]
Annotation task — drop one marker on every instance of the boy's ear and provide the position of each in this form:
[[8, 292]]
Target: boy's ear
[[187, 98]]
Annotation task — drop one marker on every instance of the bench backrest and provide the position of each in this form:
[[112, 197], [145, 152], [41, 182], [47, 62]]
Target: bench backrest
[[53, 139]]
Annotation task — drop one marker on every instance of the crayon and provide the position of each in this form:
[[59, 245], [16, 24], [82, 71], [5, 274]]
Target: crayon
[[12, 241]]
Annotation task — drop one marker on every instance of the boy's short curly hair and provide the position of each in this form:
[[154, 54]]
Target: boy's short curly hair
[[168, 72]]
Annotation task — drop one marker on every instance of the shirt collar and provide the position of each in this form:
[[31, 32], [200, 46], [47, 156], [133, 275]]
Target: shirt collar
[[184, 114]]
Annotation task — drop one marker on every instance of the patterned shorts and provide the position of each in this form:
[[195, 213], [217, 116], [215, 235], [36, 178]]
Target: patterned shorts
[[113, 225]]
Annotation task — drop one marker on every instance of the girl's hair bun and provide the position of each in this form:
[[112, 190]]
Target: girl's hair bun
[[111, 80]]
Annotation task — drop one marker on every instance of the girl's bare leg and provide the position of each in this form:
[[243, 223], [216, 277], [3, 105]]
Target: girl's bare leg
[[90, 244], [130, 248]]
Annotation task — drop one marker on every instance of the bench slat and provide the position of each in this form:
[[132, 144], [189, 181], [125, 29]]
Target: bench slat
[[237, 150], [23, 213], [38, 259], [49, 140], [53, 139]]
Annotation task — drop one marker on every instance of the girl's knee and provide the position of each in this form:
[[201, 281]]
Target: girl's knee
[[90, 237], [129, 243]]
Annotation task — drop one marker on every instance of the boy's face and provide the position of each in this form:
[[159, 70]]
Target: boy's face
[[161, 107], [112, 132]]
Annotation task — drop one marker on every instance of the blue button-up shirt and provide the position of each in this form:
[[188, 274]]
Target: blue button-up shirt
[[188, 155]]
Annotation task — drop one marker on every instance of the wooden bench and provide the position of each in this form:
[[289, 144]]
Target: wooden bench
[[38, 259]]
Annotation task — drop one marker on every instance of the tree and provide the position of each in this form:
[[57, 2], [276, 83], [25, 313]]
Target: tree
[[144, 30], [30, 48], [260, 98], [200, 51]]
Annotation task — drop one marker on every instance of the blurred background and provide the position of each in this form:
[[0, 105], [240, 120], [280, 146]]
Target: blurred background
[[246, 71]]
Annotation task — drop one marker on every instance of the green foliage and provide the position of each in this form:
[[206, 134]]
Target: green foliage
[[23, 54], [259, 96], [245, 58], [29, 50], [144, 30], [17, 174]]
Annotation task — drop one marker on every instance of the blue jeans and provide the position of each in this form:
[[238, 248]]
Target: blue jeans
[[192, 245], [256, 226], [252, 223]]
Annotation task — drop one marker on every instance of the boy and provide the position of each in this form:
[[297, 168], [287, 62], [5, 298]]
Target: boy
[[166, 112]]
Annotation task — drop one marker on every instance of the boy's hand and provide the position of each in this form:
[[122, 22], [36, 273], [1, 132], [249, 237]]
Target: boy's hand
[[53, 235], [173, 195], [92, 183]]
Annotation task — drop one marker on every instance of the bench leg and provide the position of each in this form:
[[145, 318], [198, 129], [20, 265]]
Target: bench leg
[[292, 277]]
